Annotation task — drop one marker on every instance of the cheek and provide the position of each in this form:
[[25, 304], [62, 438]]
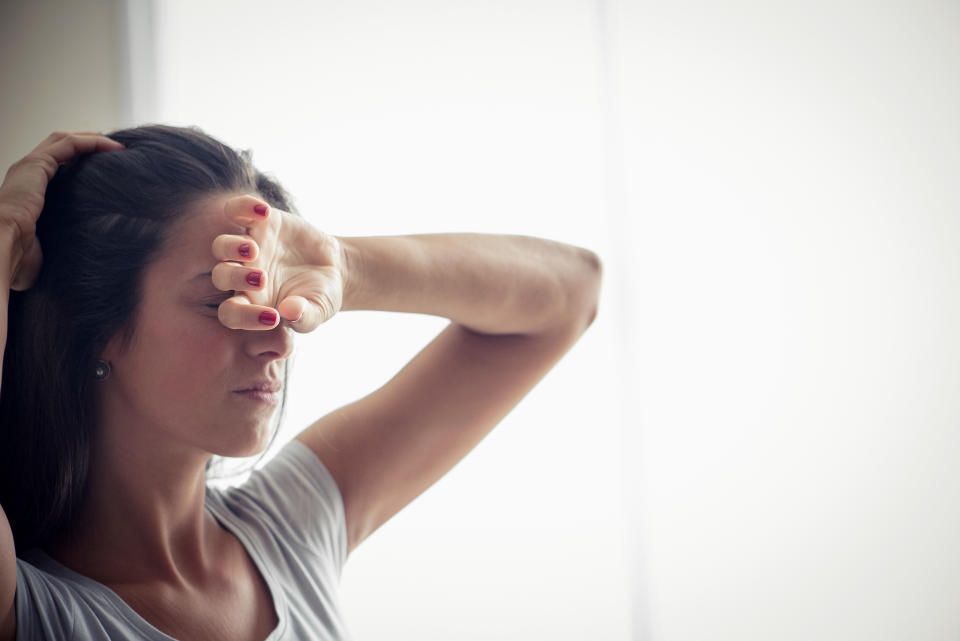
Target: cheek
[[187, 356]]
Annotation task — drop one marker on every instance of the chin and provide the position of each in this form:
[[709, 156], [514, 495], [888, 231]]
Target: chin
[[250, 443], [243, 453]]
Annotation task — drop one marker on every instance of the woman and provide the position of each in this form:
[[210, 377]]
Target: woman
[[158, 278]]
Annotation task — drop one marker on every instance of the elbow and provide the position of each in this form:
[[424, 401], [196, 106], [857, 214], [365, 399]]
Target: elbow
[[583, 297], [595, 271], [570, 305]]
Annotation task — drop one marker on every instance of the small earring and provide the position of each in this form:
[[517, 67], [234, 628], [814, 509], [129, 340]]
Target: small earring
[[102, 370]]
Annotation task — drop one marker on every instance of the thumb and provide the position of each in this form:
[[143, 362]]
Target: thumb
[[302, 314], [293, 308]]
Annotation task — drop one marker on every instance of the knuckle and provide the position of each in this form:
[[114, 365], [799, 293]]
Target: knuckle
[[326, 306], [34, 157], [220, 274], [39, 158], [220, 246], [224, 315], [230, 314]]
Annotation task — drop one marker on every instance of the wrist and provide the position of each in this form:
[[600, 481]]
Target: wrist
[[9, 246], [350, 270]]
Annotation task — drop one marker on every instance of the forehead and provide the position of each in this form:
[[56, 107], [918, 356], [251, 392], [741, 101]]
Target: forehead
[[206, 217], [190, 249]]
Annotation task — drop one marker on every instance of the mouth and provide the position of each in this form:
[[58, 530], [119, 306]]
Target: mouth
[[263, 386], [267, 398]]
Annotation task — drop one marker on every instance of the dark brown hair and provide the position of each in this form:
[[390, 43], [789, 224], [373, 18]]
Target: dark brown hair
[[106, 217]]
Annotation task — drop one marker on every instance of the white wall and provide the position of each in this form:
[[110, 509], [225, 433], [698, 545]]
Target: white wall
[[792, 214], [420, 117], [59, 70], [779, 237]]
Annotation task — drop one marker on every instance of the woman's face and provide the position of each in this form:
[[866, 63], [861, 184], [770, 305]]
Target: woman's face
[[178, 379]]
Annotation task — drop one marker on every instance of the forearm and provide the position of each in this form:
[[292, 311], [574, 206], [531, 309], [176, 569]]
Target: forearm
[[7, 248], [490, 283]]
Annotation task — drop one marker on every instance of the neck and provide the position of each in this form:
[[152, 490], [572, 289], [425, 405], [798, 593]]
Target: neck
[[143, 517]]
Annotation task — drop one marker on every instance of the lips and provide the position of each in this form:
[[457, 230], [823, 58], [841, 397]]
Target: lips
[[261, 386]]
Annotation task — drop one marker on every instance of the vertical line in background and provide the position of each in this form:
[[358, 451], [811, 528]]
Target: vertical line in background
[[137, 55], [626, 343]]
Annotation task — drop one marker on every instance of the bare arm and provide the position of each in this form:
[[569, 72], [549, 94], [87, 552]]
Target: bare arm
[[8, 564], [516, 304], [21, 201], [489, 283]]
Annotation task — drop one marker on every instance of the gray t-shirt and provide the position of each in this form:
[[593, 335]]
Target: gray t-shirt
[[289, 516]]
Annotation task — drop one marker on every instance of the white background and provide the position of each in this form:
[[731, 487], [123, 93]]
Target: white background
[[422, 117], [757, 439]]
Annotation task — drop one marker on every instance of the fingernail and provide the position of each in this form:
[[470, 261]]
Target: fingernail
[[268, 318], [244, 250], [260, 209], [254, 278]]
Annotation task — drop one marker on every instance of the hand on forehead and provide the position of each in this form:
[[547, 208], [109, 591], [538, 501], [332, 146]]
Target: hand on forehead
[[278, 265], [246, 248]]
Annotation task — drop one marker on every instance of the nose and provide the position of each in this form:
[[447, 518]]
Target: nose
[[270, 344]]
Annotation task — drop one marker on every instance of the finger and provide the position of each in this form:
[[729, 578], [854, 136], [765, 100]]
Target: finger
[[310, 314], [247, 210], [235, 247], [62, 134], [227, 276], [293, 309], [237, 312], [73, 144], [55, 151]]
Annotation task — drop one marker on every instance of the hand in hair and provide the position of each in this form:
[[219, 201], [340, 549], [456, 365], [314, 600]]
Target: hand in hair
[[302, 269], [23, 190]]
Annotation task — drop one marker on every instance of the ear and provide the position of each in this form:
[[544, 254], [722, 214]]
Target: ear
[[114, 347]]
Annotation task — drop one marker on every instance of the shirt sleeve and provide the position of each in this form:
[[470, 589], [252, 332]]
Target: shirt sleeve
[[296, 492]]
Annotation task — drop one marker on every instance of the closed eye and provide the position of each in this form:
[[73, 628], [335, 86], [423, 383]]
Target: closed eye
[[216, 304]]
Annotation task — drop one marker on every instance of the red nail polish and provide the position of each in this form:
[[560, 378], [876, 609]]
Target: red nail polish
[[254, 278], [260, 209], [244, 250], [268, 318]]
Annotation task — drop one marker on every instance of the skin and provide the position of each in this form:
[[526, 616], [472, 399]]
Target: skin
[[516, 305], [21, 201], [170, 403]]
